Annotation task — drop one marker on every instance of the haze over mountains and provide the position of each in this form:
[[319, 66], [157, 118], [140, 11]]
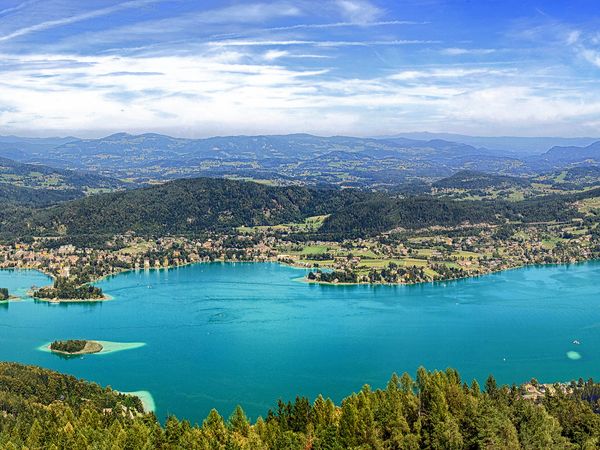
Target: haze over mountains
[[301, 158]]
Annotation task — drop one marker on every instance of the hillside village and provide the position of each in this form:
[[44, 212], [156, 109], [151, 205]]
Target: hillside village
[[400, 256]]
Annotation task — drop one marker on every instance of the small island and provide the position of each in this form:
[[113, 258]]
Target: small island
[[69, 290], [5, 296], [75, 347]]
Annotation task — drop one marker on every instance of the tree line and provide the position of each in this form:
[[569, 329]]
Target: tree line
[[41, 409], [195, 206]]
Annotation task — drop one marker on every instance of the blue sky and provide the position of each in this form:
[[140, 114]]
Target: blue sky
[[354, 67]]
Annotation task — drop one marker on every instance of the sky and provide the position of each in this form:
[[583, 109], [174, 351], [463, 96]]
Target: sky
[[196, 68]]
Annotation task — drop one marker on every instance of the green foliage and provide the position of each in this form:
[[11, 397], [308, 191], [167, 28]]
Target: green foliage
[[43, 409], [65, 289], [184, 207], [24, 196], [70, 346], [195, 206]]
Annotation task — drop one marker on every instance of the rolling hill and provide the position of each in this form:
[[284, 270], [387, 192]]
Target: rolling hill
[[560, 157], [36, 176], [185, 206], [345, 161], [193, 206], [470, 179]]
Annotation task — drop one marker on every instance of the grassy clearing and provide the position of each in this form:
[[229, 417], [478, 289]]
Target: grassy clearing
[[589, 205], [312, 223], [314, 249], [551, 242]]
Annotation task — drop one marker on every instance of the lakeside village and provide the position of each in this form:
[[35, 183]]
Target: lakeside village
[[399, 257]]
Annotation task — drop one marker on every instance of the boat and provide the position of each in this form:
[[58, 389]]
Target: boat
[[576, 342]]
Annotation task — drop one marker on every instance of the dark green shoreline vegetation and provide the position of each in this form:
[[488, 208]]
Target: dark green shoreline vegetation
[[75, 346], [437, 410], [66, 289]]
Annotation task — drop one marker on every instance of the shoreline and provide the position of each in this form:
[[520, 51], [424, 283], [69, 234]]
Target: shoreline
[[108, 347], [107, 297], [468, 277], [12, 298]]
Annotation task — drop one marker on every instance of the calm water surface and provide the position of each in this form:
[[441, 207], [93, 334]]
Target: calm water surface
[[222, 334]]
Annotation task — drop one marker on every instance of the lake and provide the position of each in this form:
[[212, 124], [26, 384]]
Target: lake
[[223, 334]]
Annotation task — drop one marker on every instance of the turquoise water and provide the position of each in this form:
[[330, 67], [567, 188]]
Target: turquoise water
[[221, 334]]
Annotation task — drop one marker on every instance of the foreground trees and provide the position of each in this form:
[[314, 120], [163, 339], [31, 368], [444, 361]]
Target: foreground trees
[[43, 409]]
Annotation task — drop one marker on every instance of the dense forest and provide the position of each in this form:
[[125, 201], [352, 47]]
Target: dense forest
[[29, 197], [437, 410], [184, 206], [382, 213], [193, 206]]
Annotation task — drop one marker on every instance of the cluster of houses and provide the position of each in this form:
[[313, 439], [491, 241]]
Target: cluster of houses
[[486, 252], [536, 391]]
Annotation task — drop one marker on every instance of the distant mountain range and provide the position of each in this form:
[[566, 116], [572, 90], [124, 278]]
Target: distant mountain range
[[516, 146], [389, 163]]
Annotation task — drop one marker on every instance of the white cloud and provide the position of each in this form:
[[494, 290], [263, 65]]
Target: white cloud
[[270, 43], [272, 55], [457, 51], [573, 37], [343, 25], [592, 56], [76, 18], [246, 13], [584, 45], [445, 73], [358, 11], [18, 7], [520, 106], [183, 29]]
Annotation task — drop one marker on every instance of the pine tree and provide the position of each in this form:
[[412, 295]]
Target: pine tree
[[348, 428], [238, 422], [214, 430], [35, 440]]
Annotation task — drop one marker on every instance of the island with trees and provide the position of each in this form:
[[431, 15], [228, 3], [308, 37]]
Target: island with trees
[[68, 290], [344, 236], [75, 347]]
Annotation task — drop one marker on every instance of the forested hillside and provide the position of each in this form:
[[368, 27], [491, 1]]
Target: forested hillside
[[28, 197], [190, 206], [44, 409], [384, 213], [186, 206], [470, 179]]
